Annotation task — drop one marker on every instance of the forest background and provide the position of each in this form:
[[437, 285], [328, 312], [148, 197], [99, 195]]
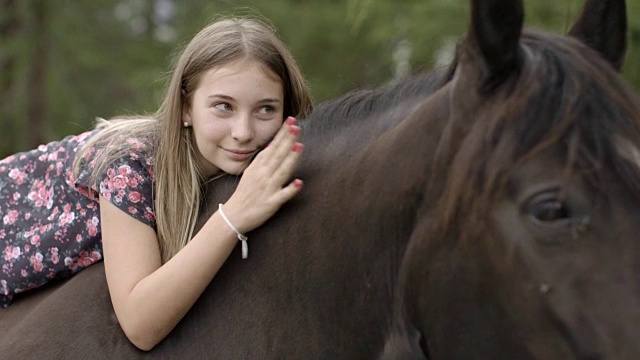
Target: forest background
[[65, 62]]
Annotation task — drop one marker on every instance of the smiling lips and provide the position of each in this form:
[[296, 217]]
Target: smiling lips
[[240, 155]]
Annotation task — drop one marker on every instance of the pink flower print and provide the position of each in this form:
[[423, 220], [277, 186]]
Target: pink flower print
[[92, 226], [24, 273], [8, 253], [119, 196], [35, 240], [105, 192], [10, 217], [79, 238], [26, 248], [137, 144], [15, 252], [55, 258], [27, 216], [132, 181], [36, 262], [66, 218], [132, 210], [148, 214], [119, 182], [134, 196], [16, 196], [83, 260], [124, 170], [70, 263], [40, 195], [44, 228], [18, 176], [52, 216], [5, 290], [150, 171]]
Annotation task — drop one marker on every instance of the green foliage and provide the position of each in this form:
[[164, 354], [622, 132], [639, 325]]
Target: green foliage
[[111, 57]]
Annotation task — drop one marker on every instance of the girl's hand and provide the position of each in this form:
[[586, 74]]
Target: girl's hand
[[262, 191]]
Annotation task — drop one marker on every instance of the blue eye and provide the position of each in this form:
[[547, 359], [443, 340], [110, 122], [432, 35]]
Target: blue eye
[[223, 106], [267, 110]]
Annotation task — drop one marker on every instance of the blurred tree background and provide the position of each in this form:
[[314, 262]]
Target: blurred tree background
[[64, 62]]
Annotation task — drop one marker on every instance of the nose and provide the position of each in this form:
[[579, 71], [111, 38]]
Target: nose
[[242, 129]]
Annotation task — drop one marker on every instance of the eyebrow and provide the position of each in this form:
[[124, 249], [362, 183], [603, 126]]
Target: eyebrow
[[227, 97]]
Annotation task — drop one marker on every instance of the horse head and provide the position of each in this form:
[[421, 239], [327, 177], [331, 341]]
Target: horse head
[[530, 249]]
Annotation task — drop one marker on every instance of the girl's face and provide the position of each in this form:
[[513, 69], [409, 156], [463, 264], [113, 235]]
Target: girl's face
[[235, 110]]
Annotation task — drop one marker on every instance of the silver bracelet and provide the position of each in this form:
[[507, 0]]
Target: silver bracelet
[[243, 239]]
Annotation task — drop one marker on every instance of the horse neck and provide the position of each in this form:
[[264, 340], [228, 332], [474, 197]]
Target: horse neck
[[376, 191]]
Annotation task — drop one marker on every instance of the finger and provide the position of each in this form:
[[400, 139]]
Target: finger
[[282, 136], [283, 147], [288, 165], [288, 192], [283, 132]]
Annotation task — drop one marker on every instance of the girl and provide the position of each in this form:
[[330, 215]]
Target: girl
[[130, 190]]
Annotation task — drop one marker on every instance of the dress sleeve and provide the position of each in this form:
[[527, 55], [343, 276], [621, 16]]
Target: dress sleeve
[[128, 185]]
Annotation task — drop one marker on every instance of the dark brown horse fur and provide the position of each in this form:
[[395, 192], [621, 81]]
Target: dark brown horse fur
[[485, 211]]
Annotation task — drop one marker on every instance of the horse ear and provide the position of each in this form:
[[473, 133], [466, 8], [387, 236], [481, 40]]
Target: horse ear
[[496, 26], [603, 27]]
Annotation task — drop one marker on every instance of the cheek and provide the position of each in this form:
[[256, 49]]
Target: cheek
[[210, 131], [268, 130]]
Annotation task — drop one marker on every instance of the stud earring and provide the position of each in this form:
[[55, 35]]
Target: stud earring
[[185, 124]]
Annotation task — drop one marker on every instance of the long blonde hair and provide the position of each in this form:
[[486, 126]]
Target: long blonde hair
[[178, 178]]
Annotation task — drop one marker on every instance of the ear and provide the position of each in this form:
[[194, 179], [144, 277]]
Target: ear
[[496, 26], [603, 27], [186, 114]]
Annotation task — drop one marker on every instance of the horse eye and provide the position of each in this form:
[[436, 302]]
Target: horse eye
[[549, 210]]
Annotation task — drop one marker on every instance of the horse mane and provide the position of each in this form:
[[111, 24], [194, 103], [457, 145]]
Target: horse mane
[[565, 96], [359, 105]]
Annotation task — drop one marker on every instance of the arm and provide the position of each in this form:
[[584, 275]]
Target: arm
[[143, 290]]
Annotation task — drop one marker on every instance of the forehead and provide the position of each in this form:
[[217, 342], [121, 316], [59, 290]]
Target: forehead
[[241, 77], [243, 67]]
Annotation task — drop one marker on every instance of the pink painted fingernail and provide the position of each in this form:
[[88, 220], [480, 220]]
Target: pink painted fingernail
[[297, 183], [294, 130], [290, 120], [297, 147]]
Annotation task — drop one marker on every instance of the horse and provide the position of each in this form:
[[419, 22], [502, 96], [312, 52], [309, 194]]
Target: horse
[[528, 247], [391, 178]]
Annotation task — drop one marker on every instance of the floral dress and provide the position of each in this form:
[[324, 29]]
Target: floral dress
[[50, 220]]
